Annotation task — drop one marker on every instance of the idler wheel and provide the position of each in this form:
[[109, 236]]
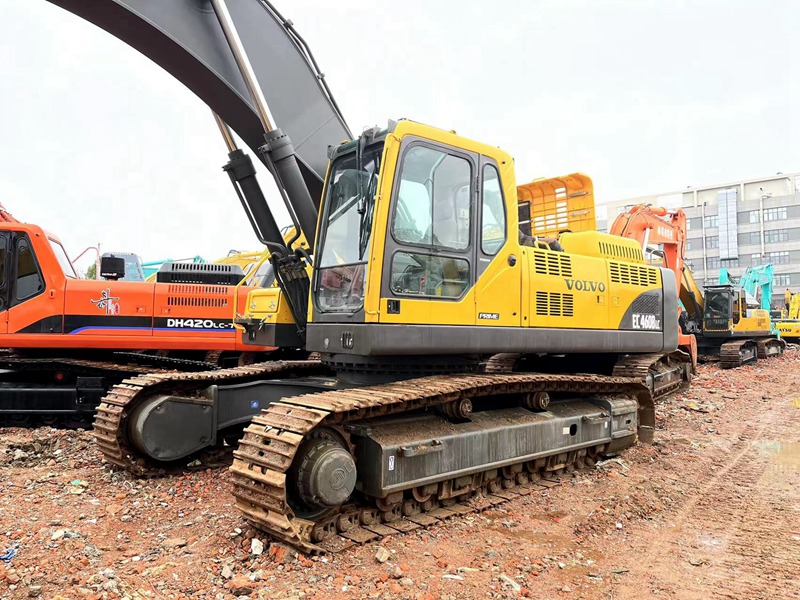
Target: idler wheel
[[537, 400], [326, 474], [458, 409]]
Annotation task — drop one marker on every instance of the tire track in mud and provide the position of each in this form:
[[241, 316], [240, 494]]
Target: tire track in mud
[[738, 535]]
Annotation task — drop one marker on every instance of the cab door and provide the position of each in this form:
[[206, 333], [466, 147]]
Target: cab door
[[5, 238], [499, 264], [27, 301], [429, 266]]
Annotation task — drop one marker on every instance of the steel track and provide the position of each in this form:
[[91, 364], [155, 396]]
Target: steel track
[[638, 366], [768, 347], [261, 466], [110, 424], [734, 354]]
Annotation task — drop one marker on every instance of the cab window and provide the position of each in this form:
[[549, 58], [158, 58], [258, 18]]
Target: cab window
[[3, 252], [29, 279], [433, 206], [61, 256], [432, 212], [417, 274], [493, 213]]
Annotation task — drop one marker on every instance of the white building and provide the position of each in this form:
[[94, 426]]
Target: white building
[[735, 225]]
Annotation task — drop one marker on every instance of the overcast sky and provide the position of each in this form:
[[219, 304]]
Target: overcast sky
[[100, 144]]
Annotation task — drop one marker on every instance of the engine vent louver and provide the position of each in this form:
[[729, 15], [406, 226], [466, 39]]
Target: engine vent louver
[[552, 263], [198, 295], [632, 274], [554, 304], [611, 250]]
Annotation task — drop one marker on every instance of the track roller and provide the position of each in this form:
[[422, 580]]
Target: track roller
[[537, 400]]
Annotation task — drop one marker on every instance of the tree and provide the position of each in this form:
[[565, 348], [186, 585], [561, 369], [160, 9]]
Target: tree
[[91, 272]]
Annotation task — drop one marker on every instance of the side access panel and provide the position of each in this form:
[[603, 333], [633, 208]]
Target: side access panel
[[109, 309]]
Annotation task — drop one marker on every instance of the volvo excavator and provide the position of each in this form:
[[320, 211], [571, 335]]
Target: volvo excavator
[[419, 279], [715, 323]]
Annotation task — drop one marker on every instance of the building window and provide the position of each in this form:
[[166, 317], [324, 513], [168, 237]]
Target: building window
[[776, 235], [729, 263], [754, 216], [775, 258], [711, 221], [688, 245], [712, 262], [712, 241], [782, 280], [776, 214], [755, 237], [778, 258]]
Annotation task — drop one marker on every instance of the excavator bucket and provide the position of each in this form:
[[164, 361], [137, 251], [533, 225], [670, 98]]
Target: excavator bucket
[[558, 204], [186, 39]]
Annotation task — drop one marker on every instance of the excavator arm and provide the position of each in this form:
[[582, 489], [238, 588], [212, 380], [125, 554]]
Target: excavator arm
[[282, 107], [249, 65], [657, 226], [7, 217], [759, 278], [186, 39]]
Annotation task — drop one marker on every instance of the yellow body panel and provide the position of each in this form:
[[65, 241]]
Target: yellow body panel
[[580, 290], [602, 245], [536, 275], [757, 320], [267, 304], [789, 328]]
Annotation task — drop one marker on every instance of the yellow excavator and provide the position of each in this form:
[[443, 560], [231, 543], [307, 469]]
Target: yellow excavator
[[419, 275], [461, 360], [789, 326]]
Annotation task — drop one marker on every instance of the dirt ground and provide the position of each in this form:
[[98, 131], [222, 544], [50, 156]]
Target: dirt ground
[[710, 510]]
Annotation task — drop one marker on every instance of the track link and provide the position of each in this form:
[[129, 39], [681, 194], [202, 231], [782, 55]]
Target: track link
[[111, 418], [737, 353], [262, 463], [666, 369], [768, 347]]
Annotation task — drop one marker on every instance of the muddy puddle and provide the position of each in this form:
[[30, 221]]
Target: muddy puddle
[[784, 456]]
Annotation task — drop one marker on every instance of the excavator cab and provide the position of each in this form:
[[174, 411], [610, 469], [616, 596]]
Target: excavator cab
[[419, 266], [726, 312], [411, 218], [722, 310], [21, 276]]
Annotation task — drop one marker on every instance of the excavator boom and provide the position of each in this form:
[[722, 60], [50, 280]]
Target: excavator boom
[[186, 39], [7, 217]]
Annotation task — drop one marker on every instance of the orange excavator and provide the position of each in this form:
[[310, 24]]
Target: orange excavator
[[68, 340], [716, 323], [666, 229]]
